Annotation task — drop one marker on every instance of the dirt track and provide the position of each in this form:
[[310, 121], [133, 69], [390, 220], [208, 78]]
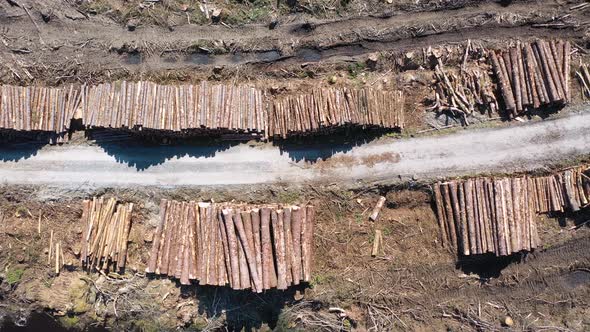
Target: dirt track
[[73, 48], [514, 148]]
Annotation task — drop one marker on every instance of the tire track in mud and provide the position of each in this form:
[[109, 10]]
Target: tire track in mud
[[336, 40], [559, 273]]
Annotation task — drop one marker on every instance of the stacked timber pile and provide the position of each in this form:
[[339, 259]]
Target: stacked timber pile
[[174, 107], [569, 189], [497, 215], [204, 107], [531, 75], [485, 215], [106, 232], [464, 93], [38, 108], [241, 246], [333, 107]]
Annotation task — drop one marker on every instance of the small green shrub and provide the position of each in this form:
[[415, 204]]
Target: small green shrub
[[13, 276]]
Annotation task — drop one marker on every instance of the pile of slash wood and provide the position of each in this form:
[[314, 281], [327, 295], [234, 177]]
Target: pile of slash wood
[[497, 215], [245, 247], [461, 94]]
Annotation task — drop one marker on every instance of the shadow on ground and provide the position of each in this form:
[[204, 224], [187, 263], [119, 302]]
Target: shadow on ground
[[143, 151], [244, 310]]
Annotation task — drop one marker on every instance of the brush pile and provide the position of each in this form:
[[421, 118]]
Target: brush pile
[[531, 75], [104, 240], [245, 247], [464, 93], [38, 109], [497, 215]]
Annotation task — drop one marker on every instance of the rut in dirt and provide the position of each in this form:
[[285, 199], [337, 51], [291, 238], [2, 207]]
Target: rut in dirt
[[97, 46]]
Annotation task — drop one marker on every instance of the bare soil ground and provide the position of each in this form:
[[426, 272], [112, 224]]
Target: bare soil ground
[[413, 284]]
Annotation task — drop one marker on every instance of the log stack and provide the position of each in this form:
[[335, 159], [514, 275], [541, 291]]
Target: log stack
[[497, 215], [245, 247], [36, 108], [203, 107], [531, 75], [568, 189], [174, 107], [106, 233], [485, 215], [332, 107]]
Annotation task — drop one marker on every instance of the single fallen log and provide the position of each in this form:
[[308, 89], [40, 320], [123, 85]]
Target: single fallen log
[[375, 214]]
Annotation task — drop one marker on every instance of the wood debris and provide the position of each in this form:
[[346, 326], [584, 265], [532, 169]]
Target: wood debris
[[377, 243], [106, 233], [245, 247], [497, 215], [463, 93], [375, 214]]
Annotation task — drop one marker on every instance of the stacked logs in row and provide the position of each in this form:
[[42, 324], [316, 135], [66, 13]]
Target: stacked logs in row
[[106, 232], [256, 248], [531, 75], [484, 215], [569, 189], [36, 108], [335, 107], [204, 107], [174, 107]]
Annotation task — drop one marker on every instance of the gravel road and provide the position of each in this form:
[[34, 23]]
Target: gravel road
[[519, 147]]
